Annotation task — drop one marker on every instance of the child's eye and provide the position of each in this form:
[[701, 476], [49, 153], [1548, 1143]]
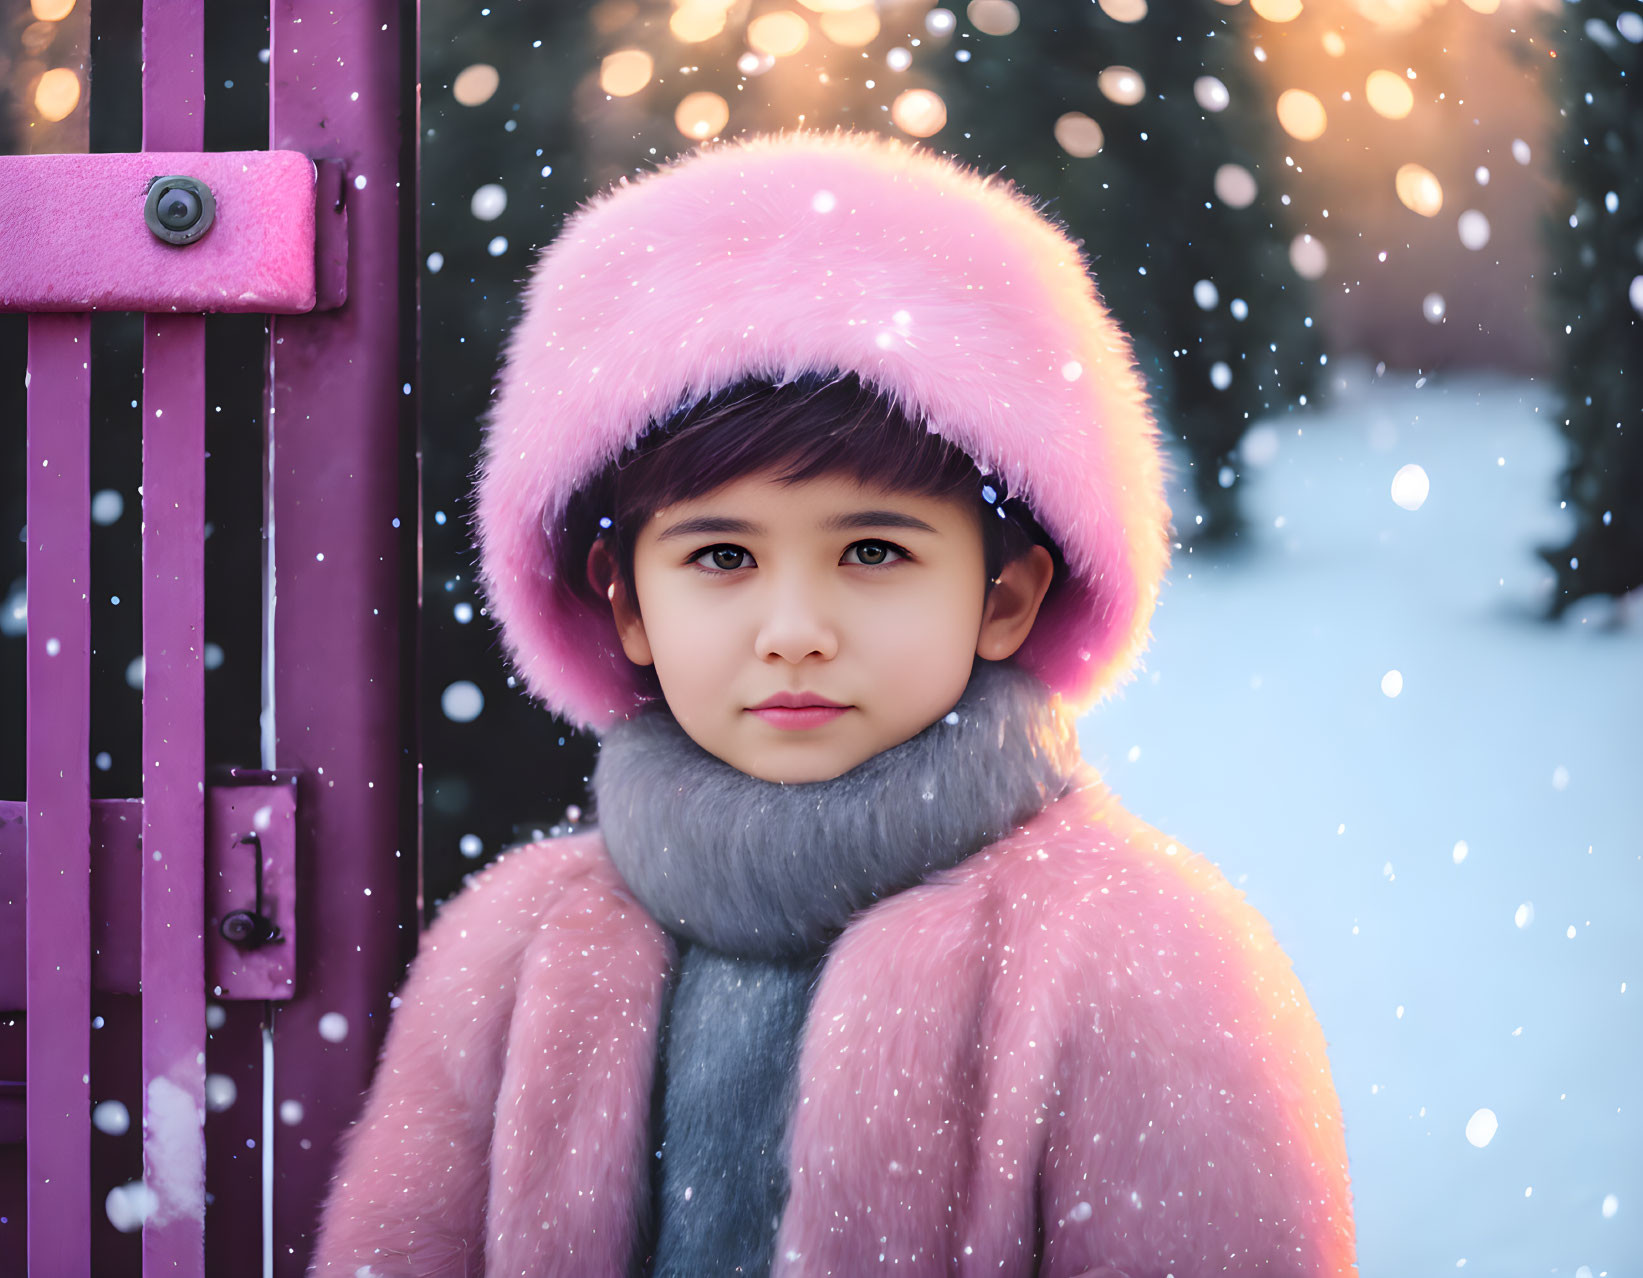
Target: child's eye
[[724, 560], [877, 553], [718, 563]]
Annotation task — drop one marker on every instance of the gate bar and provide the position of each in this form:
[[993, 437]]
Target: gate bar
[[58, 790], [338, 401], [173, 948]]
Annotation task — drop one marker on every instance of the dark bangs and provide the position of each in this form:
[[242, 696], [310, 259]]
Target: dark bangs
[[817, 425]]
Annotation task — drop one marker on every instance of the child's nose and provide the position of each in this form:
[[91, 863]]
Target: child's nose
[[797, 623]]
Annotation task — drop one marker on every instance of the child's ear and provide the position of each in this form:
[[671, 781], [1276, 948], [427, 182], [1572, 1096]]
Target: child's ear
[[1013, 603], [607, 583]]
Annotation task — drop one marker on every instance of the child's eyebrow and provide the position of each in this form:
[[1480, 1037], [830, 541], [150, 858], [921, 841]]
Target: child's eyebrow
[[705, 524]]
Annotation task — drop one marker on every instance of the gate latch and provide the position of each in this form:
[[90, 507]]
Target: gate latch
[[251, 884]]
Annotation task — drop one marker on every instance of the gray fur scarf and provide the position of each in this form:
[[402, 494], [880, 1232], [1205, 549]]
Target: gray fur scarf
[[754, 879]]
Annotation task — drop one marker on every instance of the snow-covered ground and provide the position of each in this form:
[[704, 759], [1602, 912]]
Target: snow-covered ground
[[1455, 869]]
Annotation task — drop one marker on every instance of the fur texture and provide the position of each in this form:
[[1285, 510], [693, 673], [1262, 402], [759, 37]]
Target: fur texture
[[1080, 1041], [732, 1046], [764, 875], [801, 252], [768, 870]]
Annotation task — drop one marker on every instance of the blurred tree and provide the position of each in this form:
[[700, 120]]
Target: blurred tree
[[503, 160], [1595, 295], [1159, 152]]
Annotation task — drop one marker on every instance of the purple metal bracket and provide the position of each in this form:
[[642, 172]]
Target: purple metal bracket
[[330, 235], [75, 237], [233, 797], [244, 823]]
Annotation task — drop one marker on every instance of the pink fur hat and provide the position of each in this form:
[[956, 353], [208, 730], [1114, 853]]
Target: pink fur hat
[[782, 254]]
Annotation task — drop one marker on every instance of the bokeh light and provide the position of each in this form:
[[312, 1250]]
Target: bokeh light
[[851, 28], [1124, 10], [625, 72], [1308, 256], [779, 34], [993, 17], [1473, 227], [488, 202], [1419, 189], [919, 112], [1078, 134], [1301, 114], [476, 84], [1211, 94], [1122, 85], [1235, 186], [1277, 10], [701, 115], [1394, 15], [51, 10], [57, 93], [1389, 94], [1411, 486], [692, 23]]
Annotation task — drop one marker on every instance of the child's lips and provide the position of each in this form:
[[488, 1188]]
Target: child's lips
[[798, 717]]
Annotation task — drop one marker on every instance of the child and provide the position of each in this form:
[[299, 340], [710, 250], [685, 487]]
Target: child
[[890, 984]]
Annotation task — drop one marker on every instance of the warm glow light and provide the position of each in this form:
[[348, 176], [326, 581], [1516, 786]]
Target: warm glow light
[[993, 17], [1122, 85], [823, 6], [1078, 134], [1235, 186], [919, 112], [1389, 94], [625, 72], [1301, 115], [693, 23], [851, 28], [1394, 15], [1277, 10], [778, 34], [1334, 46], [51, 10], [701, 115], [475, 84], [1419, 189], [1482, 6], [1124, 10], [57, 94]]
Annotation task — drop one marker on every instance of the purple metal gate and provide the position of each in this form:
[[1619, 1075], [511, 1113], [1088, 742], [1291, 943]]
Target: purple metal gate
[[291, 886]]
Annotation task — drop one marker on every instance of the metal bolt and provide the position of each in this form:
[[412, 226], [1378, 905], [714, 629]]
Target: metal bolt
[[179, 209]]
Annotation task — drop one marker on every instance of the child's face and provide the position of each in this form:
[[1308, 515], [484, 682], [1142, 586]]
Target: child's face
[[860, 595]]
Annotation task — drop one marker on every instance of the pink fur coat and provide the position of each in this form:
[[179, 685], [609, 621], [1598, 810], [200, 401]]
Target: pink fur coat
[[1077, 1053]]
